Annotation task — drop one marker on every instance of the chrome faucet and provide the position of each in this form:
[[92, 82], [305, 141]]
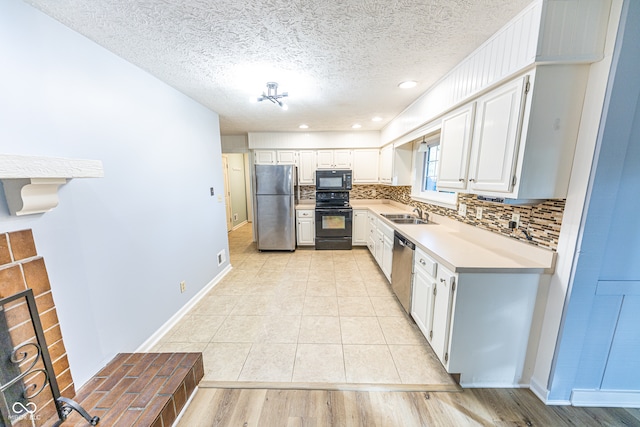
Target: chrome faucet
[[422, 215]]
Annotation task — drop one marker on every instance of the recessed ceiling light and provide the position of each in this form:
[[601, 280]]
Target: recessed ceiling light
[[408, 84], [304, 126], [356, 126], [376, 119]]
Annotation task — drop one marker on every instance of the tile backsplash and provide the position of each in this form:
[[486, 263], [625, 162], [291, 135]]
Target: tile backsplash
[[541, 222]]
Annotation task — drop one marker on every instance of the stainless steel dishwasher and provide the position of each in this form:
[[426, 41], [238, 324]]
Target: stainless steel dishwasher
[[402, 269]]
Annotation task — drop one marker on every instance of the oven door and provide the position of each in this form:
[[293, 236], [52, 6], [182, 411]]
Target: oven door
[[334, 222]]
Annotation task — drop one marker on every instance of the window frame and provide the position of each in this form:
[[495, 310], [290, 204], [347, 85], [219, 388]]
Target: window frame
[[443, 199]]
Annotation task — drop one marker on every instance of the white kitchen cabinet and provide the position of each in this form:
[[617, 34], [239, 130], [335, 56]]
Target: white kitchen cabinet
[[365, 166], [495, 138], [305, 230], [334, 159], [386, 164], [480, 155], [379, 242], [442, 312], [395, 165], [264, 157], [424, 282], [287, 157], [307, 167], [522, 140], [478, 324], [455, 144], [372, 232], [360, 227], [387, 256]]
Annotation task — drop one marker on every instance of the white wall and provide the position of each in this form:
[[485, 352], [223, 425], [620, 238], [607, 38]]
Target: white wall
[[116, 247]]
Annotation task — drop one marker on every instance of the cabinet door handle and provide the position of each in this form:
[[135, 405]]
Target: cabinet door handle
[[422, 261], [442, 280], [461, 179], [472, 180]]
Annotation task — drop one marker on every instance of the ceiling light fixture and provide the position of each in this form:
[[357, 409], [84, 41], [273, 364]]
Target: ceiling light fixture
[[408, 84], [376, 119], [273, 96], [423, 145], [304, 126], [356, 126]]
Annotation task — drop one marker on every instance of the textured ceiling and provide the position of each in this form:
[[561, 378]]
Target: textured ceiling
[[340, 60]]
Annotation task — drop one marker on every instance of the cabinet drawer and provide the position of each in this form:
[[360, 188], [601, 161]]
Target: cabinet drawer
[[305, 214], [386, 230], [425, 263]]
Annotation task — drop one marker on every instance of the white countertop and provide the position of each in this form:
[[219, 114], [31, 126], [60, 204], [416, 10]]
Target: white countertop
[[461, 247]]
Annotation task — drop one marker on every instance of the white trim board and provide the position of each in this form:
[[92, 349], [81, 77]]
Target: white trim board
[[606, 398], [166, 327]]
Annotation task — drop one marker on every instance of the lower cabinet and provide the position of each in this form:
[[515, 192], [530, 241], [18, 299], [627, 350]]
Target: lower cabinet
[[305, 227], [371, 233], [386, 249], [380, 243], [360, 227], [424, 283], [478, 324]]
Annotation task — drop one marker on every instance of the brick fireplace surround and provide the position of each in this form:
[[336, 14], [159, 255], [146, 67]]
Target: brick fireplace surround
[[139, 389]]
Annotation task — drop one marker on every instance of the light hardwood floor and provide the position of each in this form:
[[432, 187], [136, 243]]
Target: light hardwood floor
[[315, 408]]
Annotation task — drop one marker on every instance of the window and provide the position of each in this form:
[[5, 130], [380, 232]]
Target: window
[[427, 162], [431, 157]]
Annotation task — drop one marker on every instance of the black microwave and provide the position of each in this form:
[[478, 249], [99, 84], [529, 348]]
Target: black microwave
[[333, 180]]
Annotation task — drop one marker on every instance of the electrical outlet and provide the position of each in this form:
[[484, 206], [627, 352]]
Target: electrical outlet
[[211, 191], [478, 213], [235, 217], [462, 209], [183, 286], [515, 217]]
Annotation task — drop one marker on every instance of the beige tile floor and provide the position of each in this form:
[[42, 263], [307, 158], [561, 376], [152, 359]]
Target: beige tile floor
[[304, 317]]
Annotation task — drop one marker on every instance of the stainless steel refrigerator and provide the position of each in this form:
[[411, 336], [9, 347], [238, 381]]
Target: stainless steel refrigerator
[[275, 187]]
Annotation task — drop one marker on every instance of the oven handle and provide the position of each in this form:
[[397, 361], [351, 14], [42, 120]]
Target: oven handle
[[325, 210]]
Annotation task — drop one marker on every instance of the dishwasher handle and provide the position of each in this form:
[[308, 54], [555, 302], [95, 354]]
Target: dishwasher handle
[[403, 241]]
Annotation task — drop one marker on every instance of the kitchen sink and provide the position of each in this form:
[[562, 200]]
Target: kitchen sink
[[408, 221], [399, 216], [404, 219]]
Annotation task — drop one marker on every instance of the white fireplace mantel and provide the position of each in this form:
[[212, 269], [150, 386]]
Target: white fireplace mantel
[[31, 183]]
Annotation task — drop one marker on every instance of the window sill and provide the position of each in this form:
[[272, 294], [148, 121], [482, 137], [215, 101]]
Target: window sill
[[444, 202]]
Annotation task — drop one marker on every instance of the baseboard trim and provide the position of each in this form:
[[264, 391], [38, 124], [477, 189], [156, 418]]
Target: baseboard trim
[[541, 392], [606, 398], [235, 227], [166, 327]]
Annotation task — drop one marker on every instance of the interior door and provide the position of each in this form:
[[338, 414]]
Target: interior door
[[227, 192]]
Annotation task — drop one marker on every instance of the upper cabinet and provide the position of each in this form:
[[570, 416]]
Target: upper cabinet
[[365, 166], [457, 129], [273, 157], [287, 157], [307, 167], [495, 138], [519, 143], [395, 165], [334, 159], [264, 157]]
